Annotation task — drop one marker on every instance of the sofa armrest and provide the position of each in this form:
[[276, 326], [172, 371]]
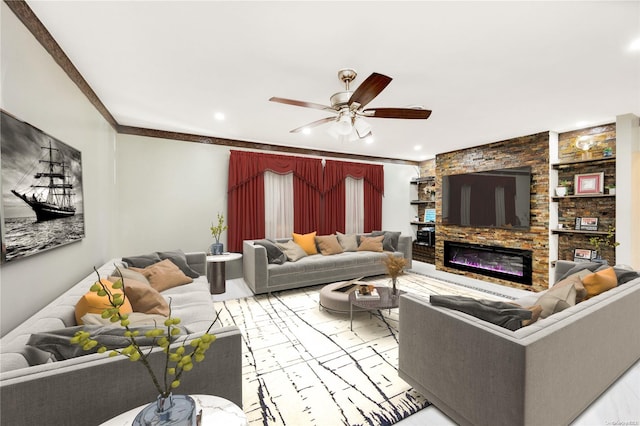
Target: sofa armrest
[[75, 392], [254, 265], [197, 261], [405, 245]]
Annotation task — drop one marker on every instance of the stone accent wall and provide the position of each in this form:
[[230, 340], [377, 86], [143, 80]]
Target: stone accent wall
[[532, 151], [602, 208]]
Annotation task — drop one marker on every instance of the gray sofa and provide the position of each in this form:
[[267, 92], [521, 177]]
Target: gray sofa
[[263, 277], [547, 373], [91, 389]]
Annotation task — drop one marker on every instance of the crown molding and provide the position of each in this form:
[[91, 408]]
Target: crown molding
[[24, 13]]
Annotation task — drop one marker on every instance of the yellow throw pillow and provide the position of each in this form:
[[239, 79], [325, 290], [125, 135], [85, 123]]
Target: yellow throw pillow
[[371, 243], [164, 275], [90, 302], [306, 241], [328, 244], [599, 282], [143, 297]]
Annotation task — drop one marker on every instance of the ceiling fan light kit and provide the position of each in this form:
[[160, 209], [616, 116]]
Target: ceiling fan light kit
[[348, 107]]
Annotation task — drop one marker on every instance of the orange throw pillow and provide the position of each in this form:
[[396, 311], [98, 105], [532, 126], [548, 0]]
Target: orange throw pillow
[[90, 302], [599, 282], [307, 242]]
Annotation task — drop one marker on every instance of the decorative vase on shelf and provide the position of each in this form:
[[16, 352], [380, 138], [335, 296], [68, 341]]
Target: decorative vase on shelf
[[178, 410], [561, 191], [216, 248]]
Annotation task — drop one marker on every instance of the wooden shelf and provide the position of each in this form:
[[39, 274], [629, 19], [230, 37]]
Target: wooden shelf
[[422, 180], [415, 202], [558, 198], [577, 231], [422, 223], [583, 162]]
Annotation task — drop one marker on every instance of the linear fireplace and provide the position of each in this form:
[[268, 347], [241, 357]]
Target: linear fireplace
[[499, 262]]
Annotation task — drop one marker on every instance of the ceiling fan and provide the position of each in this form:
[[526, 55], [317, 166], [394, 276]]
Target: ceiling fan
[[347, 107]]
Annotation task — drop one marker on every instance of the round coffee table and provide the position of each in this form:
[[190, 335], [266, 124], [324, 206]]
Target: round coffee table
[[387, 300], [333, 300]]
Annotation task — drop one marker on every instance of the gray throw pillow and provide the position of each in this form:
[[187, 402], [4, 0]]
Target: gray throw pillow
[[591, 266], [178, 258], [390, 241], [274, 254], [141, 261], [349, 242]]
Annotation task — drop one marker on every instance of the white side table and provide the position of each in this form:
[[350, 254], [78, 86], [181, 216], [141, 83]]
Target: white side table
[[216, 271], [215, 411]]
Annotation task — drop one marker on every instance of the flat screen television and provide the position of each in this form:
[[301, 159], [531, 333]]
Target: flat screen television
[[492, 198]]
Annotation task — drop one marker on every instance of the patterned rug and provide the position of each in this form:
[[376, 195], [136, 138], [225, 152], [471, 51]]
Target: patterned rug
[[304, 366]]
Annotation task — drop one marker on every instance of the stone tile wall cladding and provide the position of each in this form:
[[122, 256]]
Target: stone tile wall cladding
[[532, 151], [602, 208]]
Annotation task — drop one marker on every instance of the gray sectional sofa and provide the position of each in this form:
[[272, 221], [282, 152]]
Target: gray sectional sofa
[[91, 389], [263, 277], [546, 373]]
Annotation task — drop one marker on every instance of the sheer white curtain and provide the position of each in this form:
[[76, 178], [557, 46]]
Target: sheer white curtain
[[501, 216], [278, 205], [465, 205], [354, 205]]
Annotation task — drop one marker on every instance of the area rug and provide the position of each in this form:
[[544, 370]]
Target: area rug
[[304, 366]]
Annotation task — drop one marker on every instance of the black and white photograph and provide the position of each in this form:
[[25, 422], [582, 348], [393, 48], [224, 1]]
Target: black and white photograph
[[42, 203]]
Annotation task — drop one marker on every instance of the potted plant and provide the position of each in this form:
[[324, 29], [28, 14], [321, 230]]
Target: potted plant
[[395, 267], [612, 189], [563, 188], [216, 230], [179, 359], [608, 240], [607, 152]]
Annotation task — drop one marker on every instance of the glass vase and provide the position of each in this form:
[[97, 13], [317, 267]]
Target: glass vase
[[216, 249], [178, 410]]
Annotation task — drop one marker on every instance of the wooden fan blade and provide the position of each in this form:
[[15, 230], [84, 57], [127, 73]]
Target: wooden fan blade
[[369, 89], [412, 113], [314, 124], [300, 103]]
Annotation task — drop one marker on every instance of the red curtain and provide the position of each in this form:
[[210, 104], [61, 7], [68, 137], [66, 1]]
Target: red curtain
[[246, 194], [335, 173]]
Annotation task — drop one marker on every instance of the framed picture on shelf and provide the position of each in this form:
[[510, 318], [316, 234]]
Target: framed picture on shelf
[[589, 183], [583, 255], [429, 215], [589, 223]]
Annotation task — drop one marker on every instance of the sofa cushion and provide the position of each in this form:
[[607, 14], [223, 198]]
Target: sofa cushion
[[370, 243], [163, 275], [144, 298], [292, 250], [349, 242], [180, 260], [90, 302], [599, 282], [142, 261], [328, 245], [128, 273], [136, 319], [274, 254], [590, 266], [306, 241], [390, 241]]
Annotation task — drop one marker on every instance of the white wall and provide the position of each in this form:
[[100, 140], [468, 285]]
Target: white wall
[[34, 89], [170, 191]]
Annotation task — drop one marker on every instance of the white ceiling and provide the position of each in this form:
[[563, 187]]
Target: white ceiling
[[489, 71]]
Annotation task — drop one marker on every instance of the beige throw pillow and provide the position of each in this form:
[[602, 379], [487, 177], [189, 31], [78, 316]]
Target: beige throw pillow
[[348, 242], [143, 297], [328, 245], [292, 250], [164, 275], [371, 243]]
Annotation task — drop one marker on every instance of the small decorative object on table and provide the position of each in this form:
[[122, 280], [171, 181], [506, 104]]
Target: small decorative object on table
[[367, 291], [217, 248], [395, 267], [168, 409]]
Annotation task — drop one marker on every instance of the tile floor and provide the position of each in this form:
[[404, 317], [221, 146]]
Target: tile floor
[[619, 405]]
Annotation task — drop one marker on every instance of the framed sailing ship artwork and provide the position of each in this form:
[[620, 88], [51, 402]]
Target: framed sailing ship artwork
[[42, 200]]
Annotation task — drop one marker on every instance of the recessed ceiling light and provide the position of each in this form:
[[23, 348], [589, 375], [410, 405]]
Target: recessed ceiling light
[[635, 45], [218, 116], [369, 139], [417, 147], [306, 131]]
